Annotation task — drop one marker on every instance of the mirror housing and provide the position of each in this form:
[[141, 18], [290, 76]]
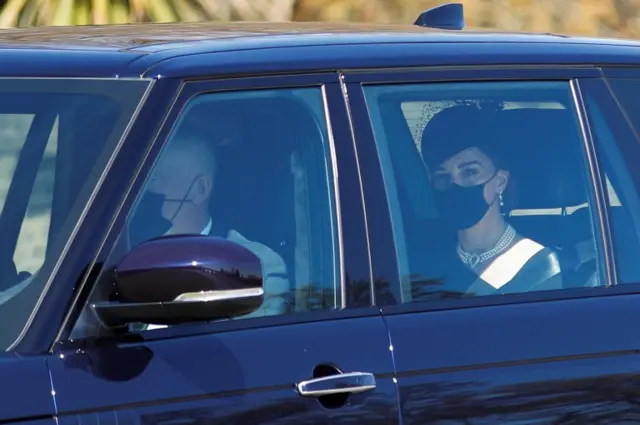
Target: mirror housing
[[182, 279]]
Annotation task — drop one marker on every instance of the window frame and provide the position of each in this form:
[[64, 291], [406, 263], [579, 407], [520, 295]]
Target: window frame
[[348, 200], [625, 134], [377, 196]]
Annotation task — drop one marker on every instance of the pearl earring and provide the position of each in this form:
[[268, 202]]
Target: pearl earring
[[501, 201]]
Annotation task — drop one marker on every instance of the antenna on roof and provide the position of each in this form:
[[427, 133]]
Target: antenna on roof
[[448, 16]]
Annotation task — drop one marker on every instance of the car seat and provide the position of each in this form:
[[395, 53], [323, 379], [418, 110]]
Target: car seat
[[254, 187], [548, 171]]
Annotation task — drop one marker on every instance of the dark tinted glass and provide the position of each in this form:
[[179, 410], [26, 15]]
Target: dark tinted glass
[[488, 187], [56, 136], [253, 167], [614, 120]]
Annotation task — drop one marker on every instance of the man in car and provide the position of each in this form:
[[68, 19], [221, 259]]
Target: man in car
[[177, 201]]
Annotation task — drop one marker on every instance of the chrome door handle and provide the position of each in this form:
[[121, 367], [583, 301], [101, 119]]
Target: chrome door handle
[[353, 383]]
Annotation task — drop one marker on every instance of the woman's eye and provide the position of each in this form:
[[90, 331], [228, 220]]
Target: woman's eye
[[469, 172]]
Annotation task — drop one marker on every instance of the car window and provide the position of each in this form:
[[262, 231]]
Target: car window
[[55, 138], [32, 239], [618, 150], [252, 167], [487, 186]]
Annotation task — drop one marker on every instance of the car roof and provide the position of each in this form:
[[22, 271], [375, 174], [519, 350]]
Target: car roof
[[187, 49]]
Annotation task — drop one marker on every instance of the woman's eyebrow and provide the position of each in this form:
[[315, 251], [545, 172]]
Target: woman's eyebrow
[[467, 163]]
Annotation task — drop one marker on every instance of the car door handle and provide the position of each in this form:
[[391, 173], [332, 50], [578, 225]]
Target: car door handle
[[353, 383]]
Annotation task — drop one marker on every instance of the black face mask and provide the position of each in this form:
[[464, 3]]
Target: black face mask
[[147, 221], [462, 207]]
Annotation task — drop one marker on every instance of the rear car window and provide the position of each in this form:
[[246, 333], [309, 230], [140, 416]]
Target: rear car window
[[479, 175]]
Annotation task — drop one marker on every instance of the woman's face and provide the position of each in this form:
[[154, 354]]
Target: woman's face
[[471, 167]]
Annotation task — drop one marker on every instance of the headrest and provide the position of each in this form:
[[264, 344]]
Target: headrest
[[544, 158], [254, 182], [230, 122]]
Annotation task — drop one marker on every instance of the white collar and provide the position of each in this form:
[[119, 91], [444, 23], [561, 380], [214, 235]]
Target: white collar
[[204, 231], [207, 229]]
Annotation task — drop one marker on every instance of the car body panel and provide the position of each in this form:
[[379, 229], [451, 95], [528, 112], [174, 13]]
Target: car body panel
[[132, 50], [531, 358], [63, 63], [370, 56], [26, 389], [244, 376], [522, 362], [302, 59]]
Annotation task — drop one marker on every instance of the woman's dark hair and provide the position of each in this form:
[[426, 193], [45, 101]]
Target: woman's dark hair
[[464, 126]]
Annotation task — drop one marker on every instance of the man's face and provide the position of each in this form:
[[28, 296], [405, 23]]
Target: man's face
[[174, 177]]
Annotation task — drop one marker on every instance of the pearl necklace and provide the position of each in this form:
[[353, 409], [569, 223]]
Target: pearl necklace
[[473, 259]]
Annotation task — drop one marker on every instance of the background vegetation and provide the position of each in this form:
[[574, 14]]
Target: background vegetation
[[593, 17]]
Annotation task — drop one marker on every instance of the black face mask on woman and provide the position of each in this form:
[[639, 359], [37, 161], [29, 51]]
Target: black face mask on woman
[[463, 207]]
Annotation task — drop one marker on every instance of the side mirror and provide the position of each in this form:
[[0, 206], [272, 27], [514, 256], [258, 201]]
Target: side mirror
[[181, 279]]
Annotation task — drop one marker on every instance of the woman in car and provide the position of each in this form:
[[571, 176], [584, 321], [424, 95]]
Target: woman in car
[[470, 179]]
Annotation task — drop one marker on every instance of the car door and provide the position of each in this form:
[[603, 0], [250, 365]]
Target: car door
[[322, 355], [26, 389], [508, 353]]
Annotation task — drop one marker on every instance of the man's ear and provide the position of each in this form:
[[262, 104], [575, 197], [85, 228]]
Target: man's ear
[[502, 180], [202, 190]]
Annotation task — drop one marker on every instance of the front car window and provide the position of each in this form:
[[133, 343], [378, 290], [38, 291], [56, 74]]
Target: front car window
[[487, 186], [252, 167], [56, 136]]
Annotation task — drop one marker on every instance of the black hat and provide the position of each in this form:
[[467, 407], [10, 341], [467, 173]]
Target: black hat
[[461, 127]]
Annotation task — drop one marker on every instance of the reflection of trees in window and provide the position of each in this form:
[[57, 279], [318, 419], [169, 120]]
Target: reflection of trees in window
[[427, 289], [313, 297], [248, 280], [359, 293], [373, 409], [605, 400]]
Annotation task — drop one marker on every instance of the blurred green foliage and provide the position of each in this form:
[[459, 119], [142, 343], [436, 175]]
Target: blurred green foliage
[[593, 17]]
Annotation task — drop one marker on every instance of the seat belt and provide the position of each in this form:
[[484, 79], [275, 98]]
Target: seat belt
[[17, 200], [506, 266]]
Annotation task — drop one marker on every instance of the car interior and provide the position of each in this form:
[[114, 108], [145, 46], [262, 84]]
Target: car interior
[[623, 201], [549, 172], [271, 187], [552, 202]]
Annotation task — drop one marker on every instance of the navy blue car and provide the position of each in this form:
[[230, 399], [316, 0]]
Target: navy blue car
[[300, 223]]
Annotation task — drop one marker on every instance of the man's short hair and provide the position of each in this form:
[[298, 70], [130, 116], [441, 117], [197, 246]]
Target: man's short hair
[[196, 143]]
